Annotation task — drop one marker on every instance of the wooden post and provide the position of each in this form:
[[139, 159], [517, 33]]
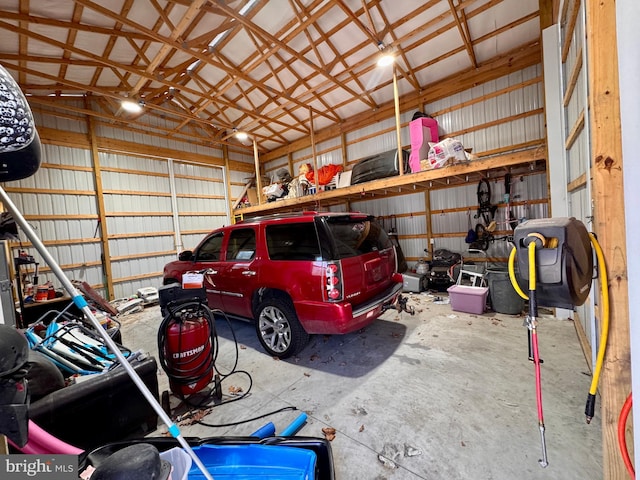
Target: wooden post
[[290, 164], [258, 176], [313, 150], [343, 146], [227, 171], [427, 207], [609, 220], [102, 217], [396, 104]]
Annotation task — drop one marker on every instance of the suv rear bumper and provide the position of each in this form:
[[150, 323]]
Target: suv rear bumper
[[339, 318]]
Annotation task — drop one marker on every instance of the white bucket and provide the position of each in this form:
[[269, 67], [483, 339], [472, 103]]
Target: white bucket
[[422, 268], [179, 460]]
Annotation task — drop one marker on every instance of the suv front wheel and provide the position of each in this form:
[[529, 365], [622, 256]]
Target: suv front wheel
[[278, 328]]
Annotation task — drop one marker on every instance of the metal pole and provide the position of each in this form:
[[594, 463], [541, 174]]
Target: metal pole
[[81, 303]]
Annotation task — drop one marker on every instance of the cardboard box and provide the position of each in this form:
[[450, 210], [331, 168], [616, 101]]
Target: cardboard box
[[252, 195], [468, 299]]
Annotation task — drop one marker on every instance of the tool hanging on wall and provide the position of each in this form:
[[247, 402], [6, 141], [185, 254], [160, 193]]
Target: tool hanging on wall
[[511, 219]]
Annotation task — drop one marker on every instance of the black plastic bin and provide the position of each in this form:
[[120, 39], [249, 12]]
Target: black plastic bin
[[504, 298]]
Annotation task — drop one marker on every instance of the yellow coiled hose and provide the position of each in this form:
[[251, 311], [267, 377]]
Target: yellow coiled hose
[[604, 332]]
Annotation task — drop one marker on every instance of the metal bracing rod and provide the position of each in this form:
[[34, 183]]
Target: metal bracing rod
[[81, 303]]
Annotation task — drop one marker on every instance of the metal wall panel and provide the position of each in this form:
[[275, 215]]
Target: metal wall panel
[[63, 122], [137, 242], [453, 118]]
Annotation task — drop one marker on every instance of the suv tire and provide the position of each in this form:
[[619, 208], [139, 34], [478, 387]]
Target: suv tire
[[278, 328]]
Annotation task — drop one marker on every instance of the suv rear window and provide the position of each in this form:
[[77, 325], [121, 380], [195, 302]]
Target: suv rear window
[[355, 236], [293, 242]]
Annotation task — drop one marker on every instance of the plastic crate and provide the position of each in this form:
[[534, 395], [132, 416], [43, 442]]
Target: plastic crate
[[468, 299]]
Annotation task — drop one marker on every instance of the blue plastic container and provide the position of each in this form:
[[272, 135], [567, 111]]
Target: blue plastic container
[[254, 462]]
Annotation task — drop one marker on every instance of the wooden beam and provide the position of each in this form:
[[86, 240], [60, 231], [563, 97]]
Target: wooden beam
[[609, 219], [102, 218], [256, 160], [396, 108]]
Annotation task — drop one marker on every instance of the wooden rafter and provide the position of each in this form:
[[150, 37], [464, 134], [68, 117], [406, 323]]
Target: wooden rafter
[[266, 72], [464, 33]]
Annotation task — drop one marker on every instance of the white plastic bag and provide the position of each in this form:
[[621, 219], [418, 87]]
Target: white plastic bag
[[441, 152]]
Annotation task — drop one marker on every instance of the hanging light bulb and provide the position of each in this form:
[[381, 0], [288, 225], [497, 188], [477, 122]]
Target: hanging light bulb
[[240, 135], [387, 55], [131, 106]]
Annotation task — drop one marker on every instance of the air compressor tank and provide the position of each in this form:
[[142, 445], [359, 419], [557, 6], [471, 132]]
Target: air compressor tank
[[187, 351]]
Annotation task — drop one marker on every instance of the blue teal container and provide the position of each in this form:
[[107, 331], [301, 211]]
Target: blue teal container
[[254, 462]]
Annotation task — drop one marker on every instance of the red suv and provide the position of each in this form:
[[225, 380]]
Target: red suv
[[296, 274]]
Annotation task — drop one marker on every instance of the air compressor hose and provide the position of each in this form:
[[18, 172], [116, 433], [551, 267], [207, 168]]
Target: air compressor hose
[[589, 409], [622, 439]]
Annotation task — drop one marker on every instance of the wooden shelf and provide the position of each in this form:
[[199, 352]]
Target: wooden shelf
[[521, 162]]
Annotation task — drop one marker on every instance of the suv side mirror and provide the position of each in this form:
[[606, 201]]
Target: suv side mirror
[[185, 256]]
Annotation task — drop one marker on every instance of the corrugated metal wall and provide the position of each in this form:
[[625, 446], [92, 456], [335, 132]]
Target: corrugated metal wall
[[139, 208], [152, 209], [59, 203]]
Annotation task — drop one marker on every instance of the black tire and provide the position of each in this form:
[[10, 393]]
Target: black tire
[[278, 328]]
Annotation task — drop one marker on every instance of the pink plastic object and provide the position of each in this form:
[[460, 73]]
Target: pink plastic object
[[468, 299], [43, 443], [422, 131]]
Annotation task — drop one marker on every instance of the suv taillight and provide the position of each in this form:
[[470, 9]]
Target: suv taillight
[[333, 282]]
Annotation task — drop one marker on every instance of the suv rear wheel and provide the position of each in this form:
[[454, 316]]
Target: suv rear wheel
[[278, 328]]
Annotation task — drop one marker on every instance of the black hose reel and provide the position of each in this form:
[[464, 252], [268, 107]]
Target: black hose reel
[[564, 263]]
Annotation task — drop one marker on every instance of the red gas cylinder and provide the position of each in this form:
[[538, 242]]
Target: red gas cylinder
[[188, 353]]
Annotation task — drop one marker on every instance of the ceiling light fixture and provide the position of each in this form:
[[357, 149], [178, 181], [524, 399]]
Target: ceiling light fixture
[[242, 136], [387, 55], [132, 106]]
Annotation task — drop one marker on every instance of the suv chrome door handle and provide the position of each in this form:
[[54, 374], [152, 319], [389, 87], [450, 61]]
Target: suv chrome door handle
[[211, 271], [249, 273]]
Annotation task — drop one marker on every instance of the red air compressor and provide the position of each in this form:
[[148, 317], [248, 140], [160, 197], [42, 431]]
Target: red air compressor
[[187, 342]]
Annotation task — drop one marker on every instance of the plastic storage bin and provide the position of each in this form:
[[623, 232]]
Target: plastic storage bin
[[254, 462], [468, 299]]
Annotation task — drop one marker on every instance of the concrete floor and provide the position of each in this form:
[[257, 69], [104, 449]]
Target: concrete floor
[[438, 395]]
